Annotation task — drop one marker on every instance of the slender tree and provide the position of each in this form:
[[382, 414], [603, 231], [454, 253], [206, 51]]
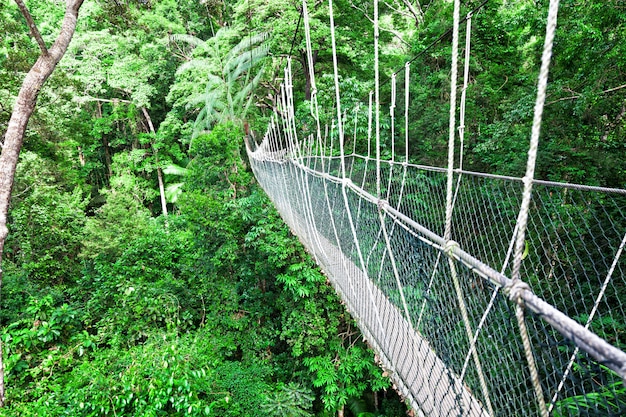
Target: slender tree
[[23, 109], [156, 156]]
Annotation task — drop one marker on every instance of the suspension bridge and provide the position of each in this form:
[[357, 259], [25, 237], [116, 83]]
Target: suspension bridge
[[482, 295]]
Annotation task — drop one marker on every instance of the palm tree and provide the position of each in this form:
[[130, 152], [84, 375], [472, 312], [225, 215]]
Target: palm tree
[[174, 190], [229, 90], [230, 84]]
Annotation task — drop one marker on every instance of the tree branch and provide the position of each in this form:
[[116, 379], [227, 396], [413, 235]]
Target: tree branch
[[148, 119], [108, 100], [32, 26], [417, 13], [610, 90], [577, 96], [393, 32], [397, 10], [563, 99]]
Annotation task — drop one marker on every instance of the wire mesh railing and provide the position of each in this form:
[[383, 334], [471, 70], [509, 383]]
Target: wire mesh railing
[[574, 235]]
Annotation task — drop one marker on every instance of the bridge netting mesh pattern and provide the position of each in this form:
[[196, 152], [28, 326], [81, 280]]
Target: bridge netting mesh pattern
[[424, 259]]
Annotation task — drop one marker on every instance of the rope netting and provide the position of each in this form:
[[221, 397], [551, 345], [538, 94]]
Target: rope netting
[[474, 306]]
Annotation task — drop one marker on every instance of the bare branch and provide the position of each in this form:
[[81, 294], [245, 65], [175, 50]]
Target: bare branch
[[610, 90], [563, 99], [108, 100], [148, 119], [393, 32], [416, 11], [578, 95], [397, 9], [396, 34], [32, 26]]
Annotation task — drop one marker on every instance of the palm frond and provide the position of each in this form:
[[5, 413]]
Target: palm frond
[[228, 92], [173, 191], [246, 43], [214, 81], [252, 84], [188, 39], [245, 62], [194, 100], [198, 63], [201, 124], [173, 169], [247, 89], [213, 99]]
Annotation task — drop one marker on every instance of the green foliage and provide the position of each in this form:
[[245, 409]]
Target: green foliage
[[291, 400], [215, 185], [217, 165], [123, 217], [43, 344], [583, 114], [146, 288], [41, 203], [165, 376], [346, 375], [606, 399]]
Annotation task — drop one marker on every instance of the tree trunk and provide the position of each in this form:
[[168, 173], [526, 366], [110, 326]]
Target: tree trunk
[[24, 107], [105, 145], [107, 157], [162, 190], [81, 156], [307, 75], [156, 156]]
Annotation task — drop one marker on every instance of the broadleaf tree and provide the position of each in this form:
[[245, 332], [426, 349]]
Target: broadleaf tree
[[22, 110]]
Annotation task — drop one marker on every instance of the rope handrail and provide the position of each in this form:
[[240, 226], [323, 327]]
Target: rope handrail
[[280, 156]]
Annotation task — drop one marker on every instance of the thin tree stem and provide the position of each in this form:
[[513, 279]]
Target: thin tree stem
[[32, 26]]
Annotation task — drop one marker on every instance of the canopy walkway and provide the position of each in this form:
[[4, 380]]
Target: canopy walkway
[[482, 295]]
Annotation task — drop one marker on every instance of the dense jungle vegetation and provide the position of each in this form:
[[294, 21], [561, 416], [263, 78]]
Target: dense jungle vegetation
[[114, 303]]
